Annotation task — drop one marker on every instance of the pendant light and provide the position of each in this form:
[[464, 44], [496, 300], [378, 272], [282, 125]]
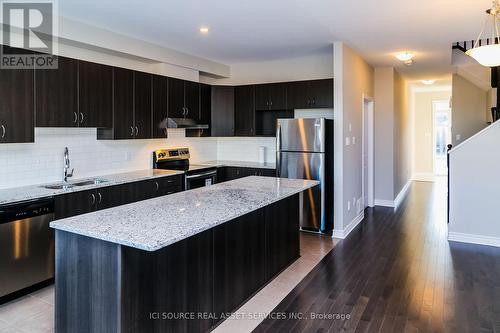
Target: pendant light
[[488, 55]]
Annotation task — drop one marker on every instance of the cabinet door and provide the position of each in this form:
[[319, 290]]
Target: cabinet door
[[166, 185], [76, 203], [96, 95], [123, 106], [192, 99], [262, 97], [267, 172], [244, 111], [321, 93], [222, 174], [175, 98], [206, 108], [112, 196], [16, 104], [234, 173], [57, 95], [277, 96], [160, 105], [222, 111], [142, 114], [297, 97]]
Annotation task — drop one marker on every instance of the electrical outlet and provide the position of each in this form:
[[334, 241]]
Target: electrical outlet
[[350, 127], [353, 140], [128, 156], [458, 137], [348, 206], [347, 141]]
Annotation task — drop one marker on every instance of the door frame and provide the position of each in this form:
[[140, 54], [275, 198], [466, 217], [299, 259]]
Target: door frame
[[368, 121], [434, 103]]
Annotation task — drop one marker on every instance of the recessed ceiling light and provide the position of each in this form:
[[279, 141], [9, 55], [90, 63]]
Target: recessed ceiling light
[[406, 57], [204, 30], [428, 82]]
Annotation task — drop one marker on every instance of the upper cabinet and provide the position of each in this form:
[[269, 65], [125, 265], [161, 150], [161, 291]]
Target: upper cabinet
[[205, 114], [272, 96], [132, 106], [95, 95], [160, 105], [192, 99], [183, 99], [142, 107], [222, 111], [16, 104], [57, 95], [310, 94], [244, 110]]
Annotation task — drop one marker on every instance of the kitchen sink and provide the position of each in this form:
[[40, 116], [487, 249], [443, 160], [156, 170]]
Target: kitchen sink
[[63, 186], [96, 181]]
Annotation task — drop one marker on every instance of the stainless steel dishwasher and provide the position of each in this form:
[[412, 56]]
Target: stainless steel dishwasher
[[26, 246]]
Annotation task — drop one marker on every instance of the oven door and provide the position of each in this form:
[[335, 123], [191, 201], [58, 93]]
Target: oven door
[[201, 179]]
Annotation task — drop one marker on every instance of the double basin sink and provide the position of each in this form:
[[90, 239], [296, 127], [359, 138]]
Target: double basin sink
[[66, 186]]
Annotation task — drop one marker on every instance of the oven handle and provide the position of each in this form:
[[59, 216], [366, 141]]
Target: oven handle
[[201, 175]]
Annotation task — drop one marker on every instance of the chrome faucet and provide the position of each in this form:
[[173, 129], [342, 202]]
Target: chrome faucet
[[67, 174]]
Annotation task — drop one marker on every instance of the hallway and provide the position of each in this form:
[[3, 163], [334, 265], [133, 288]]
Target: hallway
[[397, 273]]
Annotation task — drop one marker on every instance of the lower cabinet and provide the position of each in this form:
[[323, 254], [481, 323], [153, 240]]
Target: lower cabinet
[[231, 173], [82, 202]]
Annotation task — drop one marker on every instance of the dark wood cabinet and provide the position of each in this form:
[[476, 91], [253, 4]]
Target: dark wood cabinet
[[175, 98], [95, 95], [160, 105], [123, 104], [231, 173], [192, 99], [82, 202], [142, 105], [222, 111], [310, 94], [206, 108], [57, 95], [244, 111], [16, 103], [271, 96], [238, 246]]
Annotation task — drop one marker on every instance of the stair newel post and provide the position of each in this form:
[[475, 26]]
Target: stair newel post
[[448, 188]]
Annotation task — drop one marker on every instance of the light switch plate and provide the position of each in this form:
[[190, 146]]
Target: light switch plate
[[347, 141]]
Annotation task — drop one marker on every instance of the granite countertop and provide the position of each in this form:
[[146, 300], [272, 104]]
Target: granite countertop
[[12, 195], [240, 164], [156, 223]]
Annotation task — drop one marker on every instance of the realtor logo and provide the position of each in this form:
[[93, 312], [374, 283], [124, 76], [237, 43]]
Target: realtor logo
[[28, 28]]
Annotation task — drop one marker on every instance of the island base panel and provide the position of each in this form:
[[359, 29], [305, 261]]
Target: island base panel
[[188, 286]]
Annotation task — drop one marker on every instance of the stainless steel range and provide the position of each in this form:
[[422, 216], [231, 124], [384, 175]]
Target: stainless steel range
[[196, 175]]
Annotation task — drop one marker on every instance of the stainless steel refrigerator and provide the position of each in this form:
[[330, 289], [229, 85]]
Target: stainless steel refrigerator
[[305, 151]]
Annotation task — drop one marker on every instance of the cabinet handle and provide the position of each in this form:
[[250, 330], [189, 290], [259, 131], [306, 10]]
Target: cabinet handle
[[267, 103], [157, 186], [81, 117], [271, 103], [136, 131], [92, 202], [4, 130], [314, 101], [187, 111], [100, 197], [75, 120], [131, 130], [309, 101]]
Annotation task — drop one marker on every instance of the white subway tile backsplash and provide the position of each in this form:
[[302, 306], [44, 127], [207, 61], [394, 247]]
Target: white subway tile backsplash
[[41, 162]]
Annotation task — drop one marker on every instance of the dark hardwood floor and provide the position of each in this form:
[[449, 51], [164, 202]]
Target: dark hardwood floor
[[398, 273]]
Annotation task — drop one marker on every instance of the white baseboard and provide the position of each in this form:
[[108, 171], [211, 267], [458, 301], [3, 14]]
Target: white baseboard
[[384, 203], [424, 177], [473, 239], [342, 234], [402, 194]]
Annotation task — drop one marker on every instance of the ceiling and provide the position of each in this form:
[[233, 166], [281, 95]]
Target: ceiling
[[253, 30]]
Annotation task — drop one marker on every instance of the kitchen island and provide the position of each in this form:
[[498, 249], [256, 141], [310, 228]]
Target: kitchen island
[[177, 263]]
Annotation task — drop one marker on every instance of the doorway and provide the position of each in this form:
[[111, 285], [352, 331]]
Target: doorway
[[441, 134], [367, 156]]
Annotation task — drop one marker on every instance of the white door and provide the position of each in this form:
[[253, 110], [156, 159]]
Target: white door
[[441, 136]]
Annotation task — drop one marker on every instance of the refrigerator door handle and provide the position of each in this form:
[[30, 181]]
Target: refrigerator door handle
[[278, 148]]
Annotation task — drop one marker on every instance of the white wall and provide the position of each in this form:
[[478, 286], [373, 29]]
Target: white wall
[[353, 78], [42, 161], [318, 66], [423, 131], [474, 185], [469, 103], [402, 135], [246, 149]]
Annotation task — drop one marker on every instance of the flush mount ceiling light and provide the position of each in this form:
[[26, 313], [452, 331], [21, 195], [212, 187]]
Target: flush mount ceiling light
[[428, 82], [204, 30], [406, 57], [488, 55]]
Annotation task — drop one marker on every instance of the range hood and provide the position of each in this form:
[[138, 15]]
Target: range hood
[[187, 123]]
